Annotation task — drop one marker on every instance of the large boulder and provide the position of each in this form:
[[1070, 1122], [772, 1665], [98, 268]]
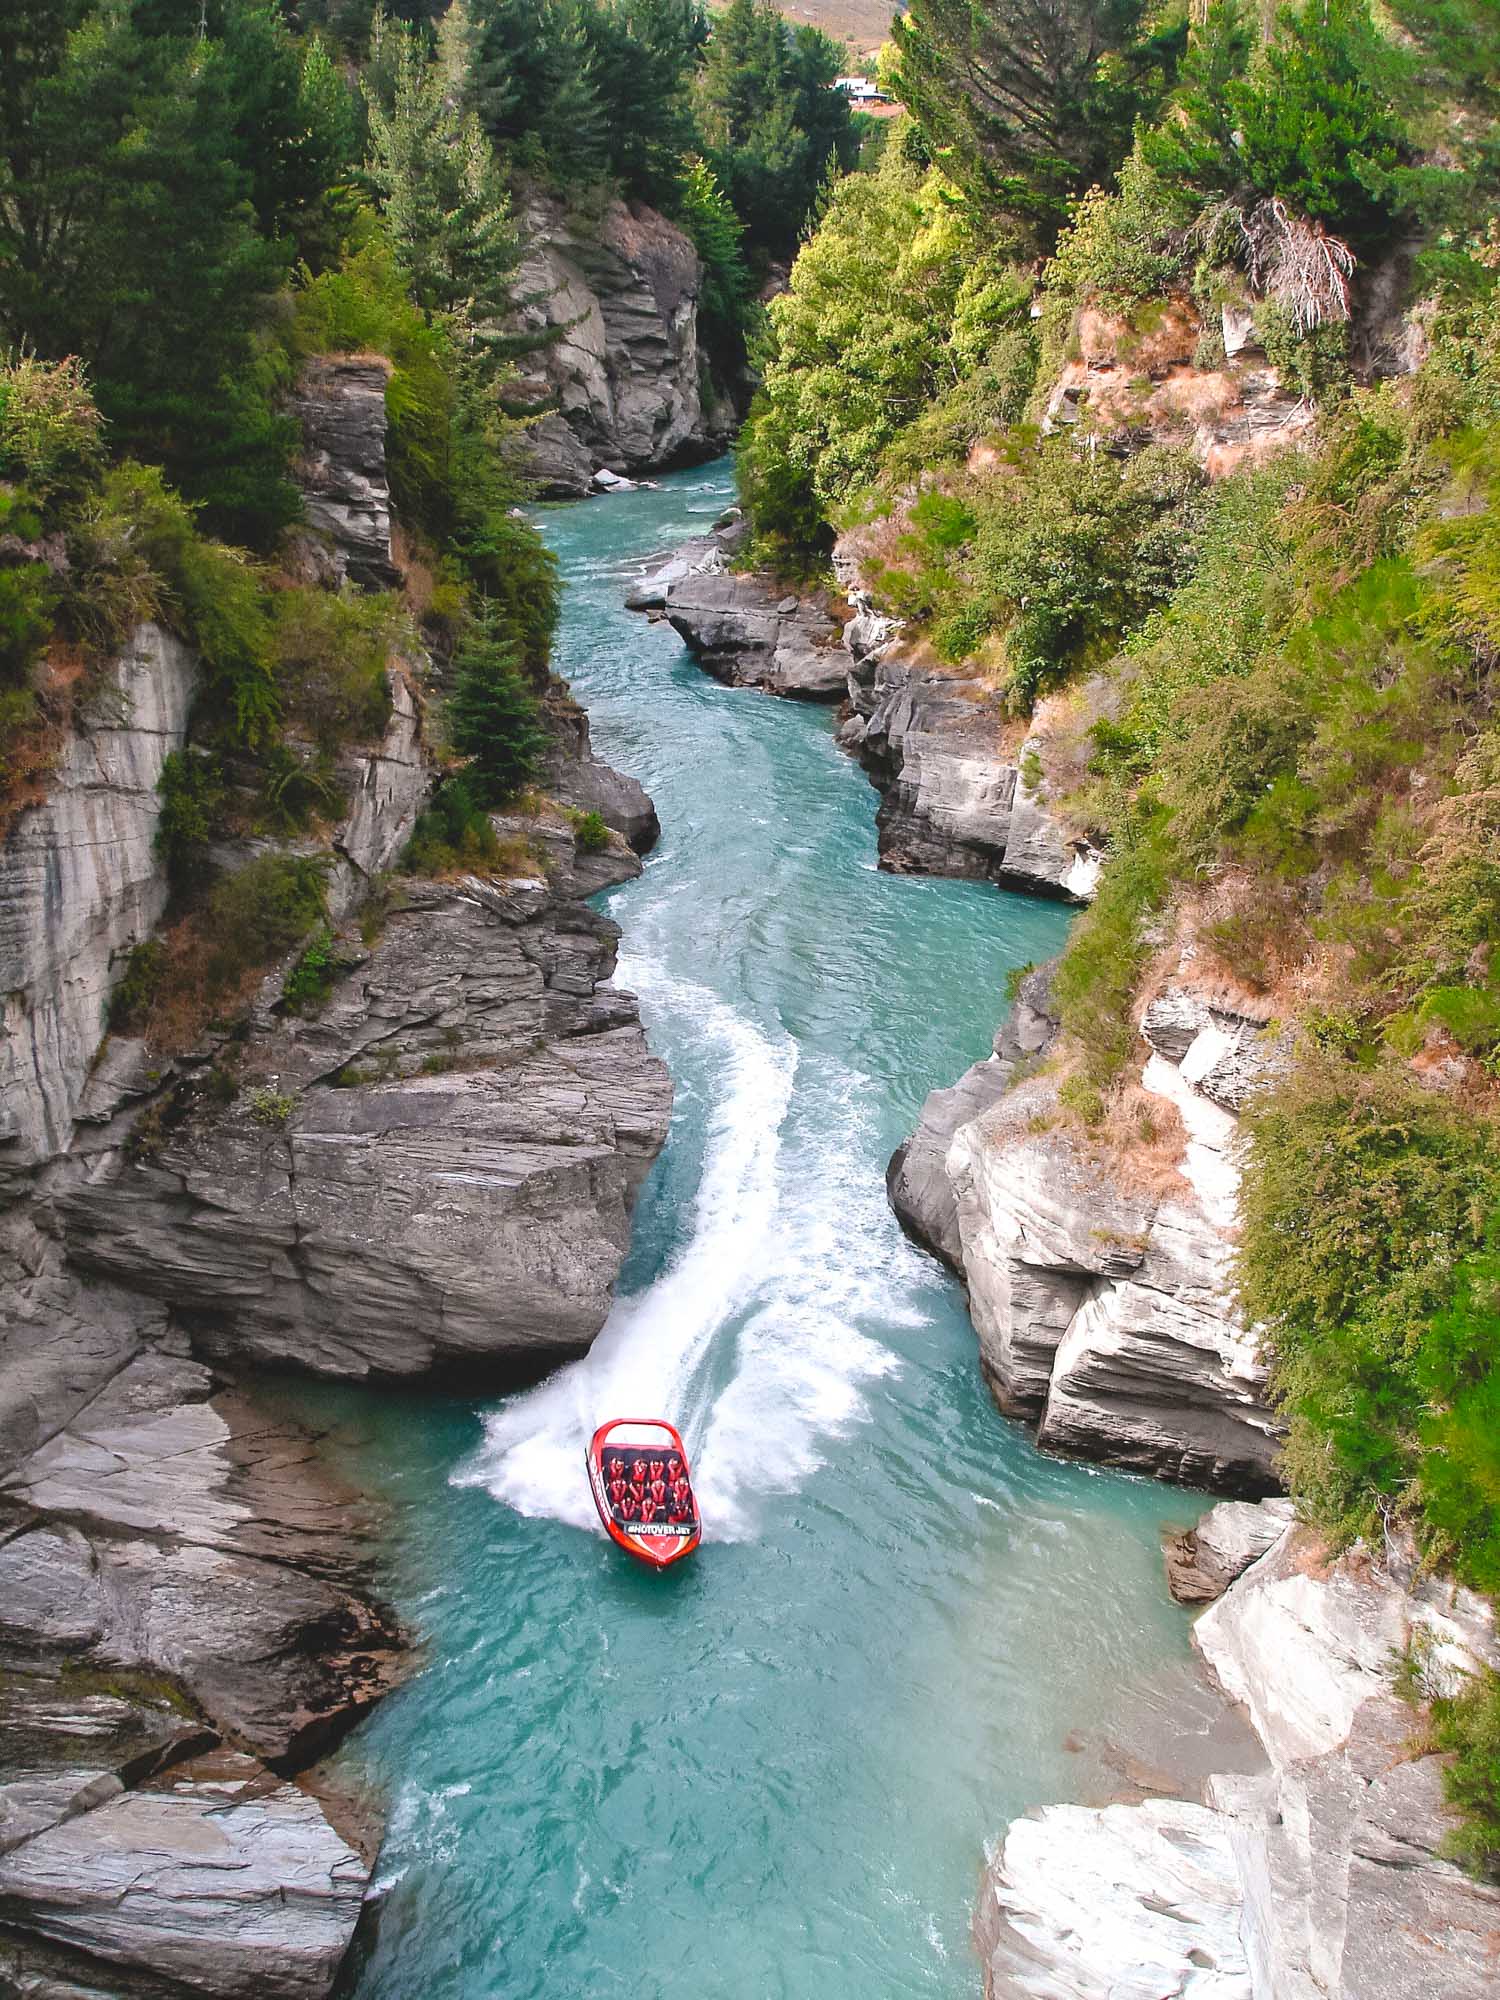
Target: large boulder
[[747, 631]]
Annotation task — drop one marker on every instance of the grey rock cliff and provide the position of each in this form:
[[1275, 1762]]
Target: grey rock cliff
[[953, 801], [1103, 1302], [466, 1204], [340, 403], [1321, 1879], [748, 632], [80, 884], [619, 298]]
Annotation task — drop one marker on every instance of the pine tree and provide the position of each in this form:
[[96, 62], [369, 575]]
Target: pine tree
[[493, 717]]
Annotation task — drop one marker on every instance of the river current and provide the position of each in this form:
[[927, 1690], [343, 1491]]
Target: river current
[[769, 1774]]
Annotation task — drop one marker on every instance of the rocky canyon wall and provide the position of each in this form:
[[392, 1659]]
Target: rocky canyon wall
[[430, 1174], [614, 297]]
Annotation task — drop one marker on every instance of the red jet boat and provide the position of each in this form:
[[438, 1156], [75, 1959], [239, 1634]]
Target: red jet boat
[[639, 1474]]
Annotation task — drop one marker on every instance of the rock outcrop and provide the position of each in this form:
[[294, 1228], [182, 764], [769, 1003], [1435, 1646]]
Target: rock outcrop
[[185, 1619], [436, 1173], [617, 299], [80, 884], [1102, 1301], [748, 632], [1321, 1879], [340, 402], [1163, 386]]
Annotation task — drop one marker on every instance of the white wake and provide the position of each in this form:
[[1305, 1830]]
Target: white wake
[[789, 1253]]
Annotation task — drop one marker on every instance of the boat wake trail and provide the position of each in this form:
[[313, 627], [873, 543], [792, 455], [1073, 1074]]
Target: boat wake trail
[[750, 1340], [649, 1359]]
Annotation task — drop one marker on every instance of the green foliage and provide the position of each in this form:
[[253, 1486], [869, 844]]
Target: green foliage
[[772, 125], [51, 432], [1467, 1727], [492, 715], [590, 832], [193, 795], [311, 979], [331, 652], [1366, 1205], [1304, 120], [145, 971], [705, 212], [1095, 979], [1073, 552], [270, 1107], [1026, 106], [252, 917], [858, 345], [454, 832]]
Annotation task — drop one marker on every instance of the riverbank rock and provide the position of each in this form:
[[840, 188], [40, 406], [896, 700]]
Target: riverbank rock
[[617, 296], [1324, 1875], [959, 794], [747, 631], [434, 1174], [1124, 1903], [1203, 1561], [1099, 1285]]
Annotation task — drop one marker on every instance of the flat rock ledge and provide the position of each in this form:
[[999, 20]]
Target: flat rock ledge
[[1320, 1879], [1101, 1292], [432, 1176], [748, 631]]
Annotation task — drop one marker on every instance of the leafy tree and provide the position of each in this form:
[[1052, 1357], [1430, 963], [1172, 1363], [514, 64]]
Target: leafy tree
[[717, 232], [446, 207], [1027, 102], [493, 717]]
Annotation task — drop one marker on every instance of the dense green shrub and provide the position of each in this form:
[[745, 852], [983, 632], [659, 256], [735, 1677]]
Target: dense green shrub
[[1467, 1727], [332, 652], [193, 795], [590, 832], [1366, 1202], [250, 918], [311, 979], [51, 432], [454, 832]]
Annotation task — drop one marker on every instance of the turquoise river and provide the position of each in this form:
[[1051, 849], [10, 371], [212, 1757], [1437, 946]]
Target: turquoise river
[[771, 1773]]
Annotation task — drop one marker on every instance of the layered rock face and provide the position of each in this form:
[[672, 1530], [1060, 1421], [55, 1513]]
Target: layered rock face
[[1103, 1304], [340, 403], [1322, 1878], [619, 300], [187, 1618], [464, 1205], [953, 801], [748, 633], [81, 885]]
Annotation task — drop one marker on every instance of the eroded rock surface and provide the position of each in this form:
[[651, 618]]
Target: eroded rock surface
[[340, 403], [957, 796], [620, 298], [444, 1174], [1102, 1297], [1320, 1879], [80, 885], [748, 632]]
